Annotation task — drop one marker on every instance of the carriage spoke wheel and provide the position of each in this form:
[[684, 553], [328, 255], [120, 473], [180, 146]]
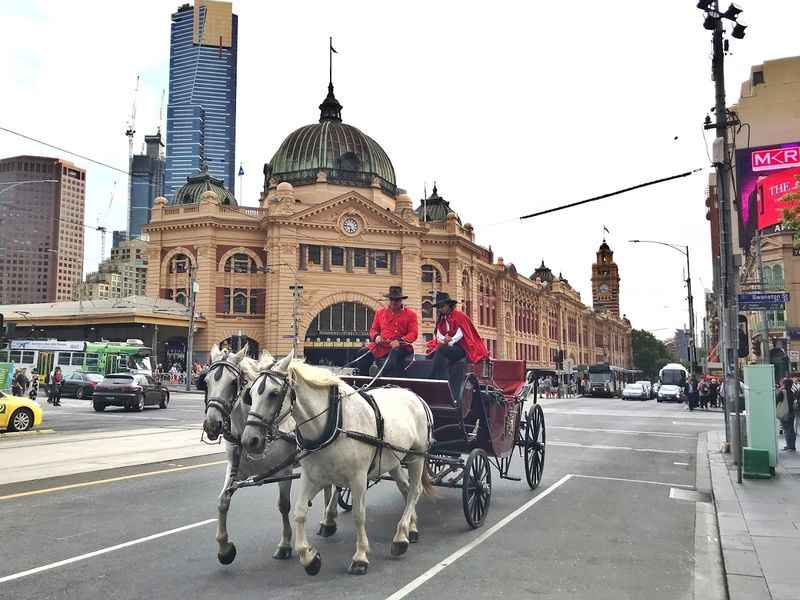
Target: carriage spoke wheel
[[477, 487], [344, 497], [534, 446]]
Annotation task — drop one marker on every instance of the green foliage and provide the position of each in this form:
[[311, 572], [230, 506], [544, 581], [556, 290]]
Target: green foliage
[[649, 353]]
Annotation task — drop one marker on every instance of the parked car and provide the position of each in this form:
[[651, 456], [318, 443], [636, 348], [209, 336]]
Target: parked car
[[80, 385], [648, 388], [635, 391], [670, 393], [18, 413], [133, 391]]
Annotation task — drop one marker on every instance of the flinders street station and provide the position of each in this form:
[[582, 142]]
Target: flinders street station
[[333, 230]]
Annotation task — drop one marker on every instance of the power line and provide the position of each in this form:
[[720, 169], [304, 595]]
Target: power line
[[38, 141], [616, 193]]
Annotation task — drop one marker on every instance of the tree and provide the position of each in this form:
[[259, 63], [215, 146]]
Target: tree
[[649, 353]]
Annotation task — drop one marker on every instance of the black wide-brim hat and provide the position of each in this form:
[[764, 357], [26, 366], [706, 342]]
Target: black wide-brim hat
[[443, 298], [395, 293]]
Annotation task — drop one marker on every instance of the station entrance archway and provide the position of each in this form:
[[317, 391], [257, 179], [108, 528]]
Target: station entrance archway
[[338, 334]]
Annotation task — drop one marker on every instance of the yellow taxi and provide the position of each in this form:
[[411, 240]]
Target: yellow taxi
[[18, 413]]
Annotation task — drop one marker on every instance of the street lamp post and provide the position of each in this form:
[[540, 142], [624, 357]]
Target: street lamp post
[[297, 292], [692, 346]]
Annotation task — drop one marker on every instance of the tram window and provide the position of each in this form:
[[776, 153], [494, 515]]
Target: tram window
[[337, 256], [4, 356], [63, 358], [77, 359], [91, 362], [359, 257], [314, 255], [28, 356]]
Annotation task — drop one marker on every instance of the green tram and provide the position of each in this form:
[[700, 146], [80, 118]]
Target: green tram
[[42, 356]]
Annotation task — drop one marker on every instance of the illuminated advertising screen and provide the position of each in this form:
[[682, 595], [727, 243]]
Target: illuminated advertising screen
[[764, 175]]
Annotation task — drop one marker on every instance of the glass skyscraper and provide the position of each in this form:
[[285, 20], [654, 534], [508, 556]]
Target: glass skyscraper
[[201, 110], [147, 184]]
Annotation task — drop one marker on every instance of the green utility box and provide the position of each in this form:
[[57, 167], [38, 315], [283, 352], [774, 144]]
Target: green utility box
[[759, 398], [755, 463]]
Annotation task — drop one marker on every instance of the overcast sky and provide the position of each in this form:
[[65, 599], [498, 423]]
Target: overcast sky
[[511, 107]]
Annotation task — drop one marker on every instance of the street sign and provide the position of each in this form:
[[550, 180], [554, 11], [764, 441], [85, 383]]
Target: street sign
[[763, 300]]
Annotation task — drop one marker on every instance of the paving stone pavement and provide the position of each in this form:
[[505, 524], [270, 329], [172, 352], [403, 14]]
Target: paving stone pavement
[[759, 525]]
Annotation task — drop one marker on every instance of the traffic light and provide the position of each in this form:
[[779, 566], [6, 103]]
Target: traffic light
[[744, 338]]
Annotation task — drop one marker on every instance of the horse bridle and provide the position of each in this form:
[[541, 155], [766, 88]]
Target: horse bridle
[[270, 422], [220, 403]]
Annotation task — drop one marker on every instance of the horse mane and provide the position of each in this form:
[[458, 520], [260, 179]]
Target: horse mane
[[311, 375], [252, 367]]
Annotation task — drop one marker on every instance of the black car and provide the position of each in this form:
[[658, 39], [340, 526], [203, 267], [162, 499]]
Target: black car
[[134, 391], [80, 385]]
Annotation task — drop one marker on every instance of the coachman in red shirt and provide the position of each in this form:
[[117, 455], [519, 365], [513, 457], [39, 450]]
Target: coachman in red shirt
[[454, 338], [393, 330]]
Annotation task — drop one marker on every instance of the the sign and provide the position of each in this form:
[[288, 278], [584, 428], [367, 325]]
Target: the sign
[[771, 159], [794, 355], [763, 300], [47, 345]]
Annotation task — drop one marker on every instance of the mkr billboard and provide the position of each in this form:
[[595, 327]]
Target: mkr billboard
[[764, 175]]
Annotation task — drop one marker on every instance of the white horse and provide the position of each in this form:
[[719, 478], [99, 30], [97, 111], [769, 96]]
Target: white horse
[[335, 426], [226, 415]]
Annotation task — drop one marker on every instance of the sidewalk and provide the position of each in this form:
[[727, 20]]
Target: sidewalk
[[36, 457], [759, 525]]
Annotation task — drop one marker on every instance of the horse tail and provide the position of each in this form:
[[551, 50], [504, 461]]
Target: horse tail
[[427, 485]]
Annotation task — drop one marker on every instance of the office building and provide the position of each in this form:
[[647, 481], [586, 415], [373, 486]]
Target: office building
[[201, 110], [147, 184], [122, 275], [41, 229]]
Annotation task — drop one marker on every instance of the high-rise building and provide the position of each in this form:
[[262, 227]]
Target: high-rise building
[[605, 282], [41, 229], [118, 236], [122, 275], [147, 184], [201, 110]]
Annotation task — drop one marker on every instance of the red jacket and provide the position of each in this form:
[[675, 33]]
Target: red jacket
[[400, 325], [472, 343]]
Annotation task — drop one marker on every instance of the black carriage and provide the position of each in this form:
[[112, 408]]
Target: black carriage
[[479, 420]]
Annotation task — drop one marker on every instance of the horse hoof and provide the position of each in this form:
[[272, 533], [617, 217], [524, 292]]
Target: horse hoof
[[413, 536], [358, 567], [399, 548], [227, 554], [315, 565], [282, 553], [326, 530]]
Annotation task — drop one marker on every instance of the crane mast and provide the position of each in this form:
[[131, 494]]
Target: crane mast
[[129, 133]]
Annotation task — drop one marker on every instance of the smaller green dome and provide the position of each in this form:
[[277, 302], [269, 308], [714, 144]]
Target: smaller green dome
[[201, 182], [435, 208]]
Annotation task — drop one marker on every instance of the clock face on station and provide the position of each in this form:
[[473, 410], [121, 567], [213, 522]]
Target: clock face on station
[[350, 225], [604, 288]]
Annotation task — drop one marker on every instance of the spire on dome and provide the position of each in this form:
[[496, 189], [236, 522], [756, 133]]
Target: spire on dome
[[330, 109]]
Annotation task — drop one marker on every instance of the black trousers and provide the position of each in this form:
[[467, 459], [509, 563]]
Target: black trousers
[[443, 357], [395, 362]]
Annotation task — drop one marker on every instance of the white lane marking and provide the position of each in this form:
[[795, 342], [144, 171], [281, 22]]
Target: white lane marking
[[626, 448], [681, 464], [407, 589], [683, 485], [81, 557], [688, 423], [624, 431]]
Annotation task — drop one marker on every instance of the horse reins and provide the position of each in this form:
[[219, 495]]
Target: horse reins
[[220, 403]]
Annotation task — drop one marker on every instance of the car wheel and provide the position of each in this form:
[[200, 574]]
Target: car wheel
[[164, 401], [80, 393], [139, 406], [99, 406], [21, 420]]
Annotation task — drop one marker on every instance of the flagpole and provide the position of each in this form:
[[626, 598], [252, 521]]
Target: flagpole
[[330, 60]]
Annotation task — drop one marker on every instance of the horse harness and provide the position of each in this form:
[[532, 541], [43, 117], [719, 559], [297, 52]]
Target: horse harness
[[219, 403]]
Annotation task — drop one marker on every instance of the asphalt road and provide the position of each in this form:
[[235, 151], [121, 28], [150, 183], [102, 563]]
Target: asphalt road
[[603, 526], [78, 415]]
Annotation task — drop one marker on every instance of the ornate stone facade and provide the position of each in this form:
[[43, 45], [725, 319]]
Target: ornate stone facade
[[345, 238]]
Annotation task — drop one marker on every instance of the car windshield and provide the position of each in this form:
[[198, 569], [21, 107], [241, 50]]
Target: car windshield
[[600, 377]]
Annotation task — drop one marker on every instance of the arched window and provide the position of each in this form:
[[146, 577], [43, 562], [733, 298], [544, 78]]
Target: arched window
[[431, 283], [180, 297], [240, 263], [179, 264]]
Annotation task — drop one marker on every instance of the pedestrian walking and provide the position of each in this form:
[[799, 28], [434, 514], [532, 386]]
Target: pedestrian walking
[[703, 391], [785, 412], [34, 386], [692, 395], [56, 382]]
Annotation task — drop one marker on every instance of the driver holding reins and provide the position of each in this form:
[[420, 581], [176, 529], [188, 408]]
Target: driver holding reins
[[394, 330]]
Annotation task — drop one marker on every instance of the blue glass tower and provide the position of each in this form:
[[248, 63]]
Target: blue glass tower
[[147, 184], [201, 110]]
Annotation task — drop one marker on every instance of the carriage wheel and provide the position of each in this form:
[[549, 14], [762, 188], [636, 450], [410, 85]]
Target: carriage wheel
[[344, 497], [435, 468], [477, 488], [534, 446]]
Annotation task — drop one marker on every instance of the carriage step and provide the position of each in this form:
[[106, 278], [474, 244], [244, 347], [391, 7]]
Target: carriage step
[[510, 478]]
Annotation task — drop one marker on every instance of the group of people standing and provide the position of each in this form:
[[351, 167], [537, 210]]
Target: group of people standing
[[702, 393], [22, 385], [395, 328]]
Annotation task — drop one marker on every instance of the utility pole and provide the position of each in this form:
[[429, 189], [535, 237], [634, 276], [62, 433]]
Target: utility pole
[[762, 314], [190, 336], [692, 342], [297, 292], [729, 314]]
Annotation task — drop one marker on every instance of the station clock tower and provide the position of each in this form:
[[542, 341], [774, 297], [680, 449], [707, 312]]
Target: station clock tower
[[605, 282]]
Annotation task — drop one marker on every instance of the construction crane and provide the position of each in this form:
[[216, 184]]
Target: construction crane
[[129, 133]]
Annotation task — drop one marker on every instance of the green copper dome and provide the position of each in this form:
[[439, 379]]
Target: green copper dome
[[342, 151], [200, 182]]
